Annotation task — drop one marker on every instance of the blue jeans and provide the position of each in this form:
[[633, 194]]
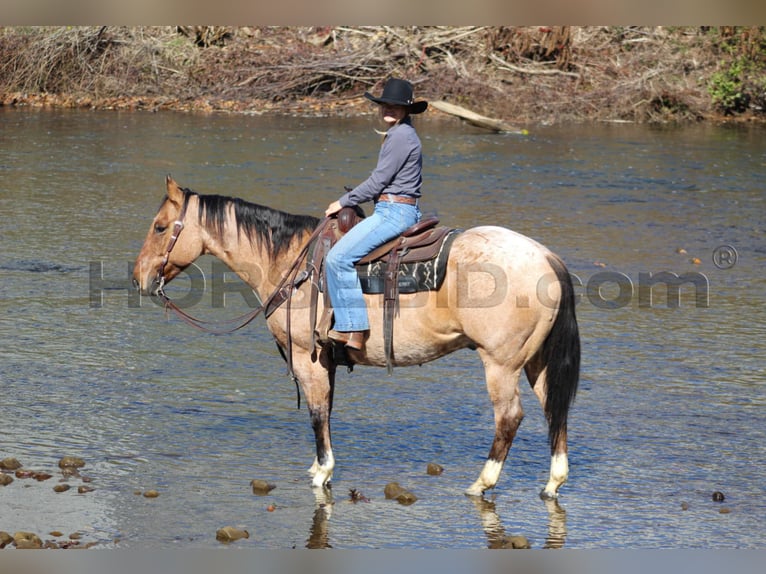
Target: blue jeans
[[387, 221]]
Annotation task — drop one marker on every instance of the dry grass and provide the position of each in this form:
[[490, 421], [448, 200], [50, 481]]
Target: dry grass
[[524, 74]]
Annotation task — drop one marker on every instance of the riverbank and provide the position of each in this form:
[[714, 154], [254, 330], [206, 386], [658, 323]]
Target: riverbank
[[523, 75]]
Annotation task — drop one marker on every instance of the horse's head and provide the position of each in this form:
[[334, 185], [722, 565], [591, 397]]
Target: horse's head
[[172, 243]]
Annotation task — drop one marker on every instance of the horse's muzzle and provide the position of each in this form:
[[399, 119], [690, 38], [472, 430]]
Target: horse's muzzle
[[153, 290]]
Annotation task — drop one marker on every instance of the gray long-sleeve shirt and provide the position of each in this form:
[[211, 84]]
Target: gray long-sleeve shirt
[[399, 169]]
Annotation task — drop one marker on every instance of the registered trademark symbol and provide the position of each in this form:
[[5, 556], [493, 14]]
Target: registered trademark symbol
[[725, 257]]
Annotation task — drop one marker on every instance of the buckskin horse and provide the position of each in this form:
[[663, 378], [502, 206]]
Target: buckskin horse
[[503, 294]]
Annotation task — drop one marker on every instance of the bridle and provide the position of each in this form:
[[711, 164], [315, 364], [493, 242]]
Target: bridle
[[159, 291], [177, 228]]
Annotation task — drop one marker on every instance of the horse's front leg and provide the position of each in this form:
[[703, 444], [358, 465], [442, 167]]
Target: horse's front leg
[[317, 381]]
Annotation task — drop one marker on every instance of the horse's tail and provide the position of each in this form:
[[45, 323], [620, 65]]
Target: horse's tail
[[561, 354]]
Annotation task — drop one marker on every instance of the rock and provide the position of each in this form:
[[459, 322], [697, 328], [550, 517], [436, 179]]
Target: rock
[[394, 491], [406, 498], [151, 494], [82, 489], [684, 506], [61, 488], [519, 542], [71, 462], [25, 540], [725, 510], [261, 487], [5, 479], [434, 469], [9, 463], [56, 533], [21, 473], [718, 496], [5, 539], [40, 476], [230, 534], [509, 542]]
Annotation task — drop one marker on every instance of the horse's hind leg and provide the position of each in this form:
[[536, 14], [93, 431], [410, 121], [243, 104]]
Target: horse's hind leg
[[559, 473], [503, 387]]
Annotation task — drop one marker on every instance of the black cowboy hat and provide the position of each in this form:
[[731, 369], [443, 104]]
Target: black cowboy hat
[[399, 93]]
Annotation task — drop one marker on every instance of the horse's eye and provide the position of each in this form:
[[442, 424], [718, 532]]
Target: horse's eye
[[158, 228]]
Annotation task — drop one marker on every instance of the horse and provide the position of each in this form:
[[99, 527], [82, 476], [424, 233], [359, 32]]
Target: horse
[[504, 295]]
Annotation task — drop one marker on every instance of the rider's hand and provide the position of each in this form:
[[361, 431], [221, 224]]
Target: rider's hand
[[333, 208]]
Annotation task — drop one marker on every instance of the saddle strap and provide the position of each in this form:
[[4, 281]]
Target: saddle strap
[[390, 300], [317, 269]]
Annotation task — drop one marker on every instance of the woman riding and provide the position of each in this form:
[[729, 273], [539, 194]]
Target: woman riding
[[394, 186]]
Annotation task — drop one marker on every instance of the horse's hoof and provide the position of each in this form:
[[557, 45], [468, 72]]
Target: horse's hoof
[[474, 490], [545, 495]]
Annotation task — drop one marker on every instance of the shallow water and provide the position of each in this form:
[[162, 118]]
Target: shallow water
[[670, 406]]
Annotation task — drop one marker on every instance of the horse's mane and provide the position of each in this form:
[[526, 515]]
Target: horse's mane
[[270, 227]]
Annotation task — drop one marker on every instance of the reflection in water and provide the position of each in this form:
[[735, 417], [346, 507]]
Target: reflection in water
[[319, 535], [495, 531]]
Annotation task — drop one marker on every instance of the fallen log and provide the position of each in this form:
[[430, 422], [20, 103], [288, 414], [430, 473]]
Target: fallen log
[[476, 119]]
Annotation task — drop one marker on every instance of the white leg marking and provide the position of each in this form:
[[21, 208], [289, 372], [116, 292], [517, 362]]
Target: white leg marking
[[314, 467], [487, 479], [559, 474], [323, 473]]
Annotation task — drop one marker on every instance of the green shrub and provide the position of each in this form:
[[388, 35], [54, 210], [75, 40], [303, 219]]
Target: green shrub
[[726, 89]]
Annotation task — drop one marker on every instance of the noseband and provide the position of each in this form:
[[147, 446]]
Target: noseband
[[177, 228]]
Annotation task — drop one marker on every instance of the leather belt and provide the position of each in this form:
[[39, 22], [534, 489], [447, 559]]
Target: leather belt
[[398, 199]]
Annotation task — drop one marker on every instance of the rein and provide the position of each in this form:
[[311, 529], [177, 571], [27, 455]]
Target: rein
[[290, 281]]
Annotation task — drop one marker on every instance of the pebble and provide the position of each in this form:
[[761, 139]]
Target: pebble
[[230, 534], [718, 496], [394, 491], [9, 463], [5, 479], [5, 539], [261, 487], [61, 488], [519, 542], [151, 494], [84, 489], [71, 462], [27, 540], [434, 469]]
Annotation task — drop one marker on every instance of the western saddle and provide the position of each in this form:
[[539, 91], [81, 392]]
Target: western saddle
[[421, 242]]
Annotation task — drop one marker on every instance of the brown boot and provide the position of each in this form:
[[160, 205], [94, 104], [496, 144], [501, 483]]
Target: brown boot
[[352, 339]]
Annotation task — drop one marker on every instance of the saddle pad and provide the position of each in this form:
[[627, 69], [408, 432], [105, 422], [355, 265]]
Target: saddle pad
[[413, 277]]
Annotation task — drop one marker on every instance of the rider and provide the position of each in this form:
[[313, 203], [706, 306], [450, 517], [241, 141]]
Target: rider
[[394, 186]]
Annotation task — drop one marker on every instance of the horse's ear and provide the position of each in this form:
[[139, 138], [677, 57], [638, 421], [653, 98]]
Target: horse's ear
[[175, 193]]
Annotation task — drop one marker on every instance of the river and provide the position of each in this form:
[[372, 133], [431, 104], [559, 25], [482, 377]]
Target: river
[[662, 228]]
